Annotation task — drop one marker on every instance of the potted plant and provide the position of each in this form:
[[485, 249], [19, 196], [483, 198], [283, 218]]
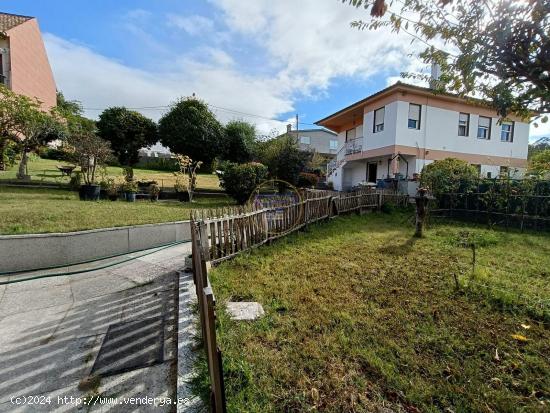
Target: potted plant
[[111, 188], [130, 188], [92, 152], [180, 187], [154, 191]]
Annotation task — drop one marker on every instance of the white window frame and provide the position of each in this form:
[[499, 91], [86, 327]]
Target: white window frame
[[333, 144], [508, 133], [487, 129], [417, 121], [378, 127], [464, 123], [305, 140]]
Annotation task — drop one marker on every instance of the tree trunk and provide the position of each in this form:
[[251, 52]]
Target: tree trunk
[[3, 145], [421, 210], [22, 173]]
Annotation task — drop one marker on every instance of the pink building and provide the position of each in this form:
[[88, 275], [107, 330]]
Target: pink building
[[24, 65]]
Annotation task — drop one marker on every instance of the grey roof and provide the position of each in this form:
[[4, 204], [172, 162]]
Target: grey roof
[[314, 130], [9, 21]]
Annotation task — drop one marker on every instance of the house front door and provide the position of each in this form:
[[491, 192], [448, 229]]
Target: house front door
[[371, 172]]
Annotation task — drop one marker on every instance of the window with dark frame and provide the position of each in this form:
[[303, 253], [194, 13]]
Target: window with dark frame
[[463, 124], [350, 134], [414, 116], [378, 124], [484, 128], [504, 171], [507, 132]]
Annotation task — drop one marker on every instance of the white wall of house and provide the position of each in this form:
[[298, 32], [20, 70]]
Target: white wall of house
[[374, 140], [439, 131]]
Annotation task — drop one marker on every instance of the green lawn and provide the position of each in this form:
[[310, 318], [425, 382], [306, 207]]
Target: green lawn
[[45, 170], [26, 210], [360, 316]]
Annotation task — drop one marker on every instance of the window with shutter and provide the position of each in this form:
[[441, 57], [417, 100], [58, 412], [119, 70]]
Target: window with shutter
[[414, 116], [378, 120], [507, 132], [463, 124], [484, 128]]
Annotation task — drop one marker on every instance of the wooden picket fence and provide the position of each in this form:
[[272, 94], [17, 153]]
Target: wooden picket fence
[[207, 314], [220, 234]]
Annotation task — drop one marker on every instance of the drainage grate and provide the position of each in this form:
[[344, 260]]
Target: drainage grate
[[131, 345]]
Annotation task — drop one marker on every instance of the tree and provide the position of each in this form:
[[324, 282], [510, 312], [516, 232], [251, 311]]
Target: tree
[[240, 180], [240, 143], [186, 178], [23, 121], [284, 159], [127, 131], [91, 152], [448, 175], [190, 128], [499, 49], [539, 164], [538, 146]]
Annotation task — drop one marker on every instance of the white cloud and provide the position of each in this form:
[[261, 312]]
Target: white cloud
[[316, 44], [302, 50], [193, 25], [98, 82]]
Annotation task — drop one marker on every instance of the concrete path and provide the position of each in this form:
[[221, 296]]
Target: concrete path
[[103, 336]]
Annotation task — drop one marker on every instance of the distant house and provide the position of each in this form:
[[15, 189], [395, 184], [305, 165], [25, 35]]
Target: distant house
[[323, 141], [398, 130], [24, 65]]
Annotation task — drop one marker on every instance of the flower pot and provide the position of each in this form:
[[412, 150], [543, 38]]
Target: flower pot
[[89, 192], [130, 197], [183, 196]]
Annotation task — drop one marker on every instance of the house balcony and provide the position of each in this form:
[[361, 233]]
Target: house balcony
[[354, 146]]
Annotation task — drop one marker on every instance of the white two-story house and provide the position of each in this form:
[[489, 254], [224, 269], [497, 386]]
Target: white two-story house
[[399, 130]]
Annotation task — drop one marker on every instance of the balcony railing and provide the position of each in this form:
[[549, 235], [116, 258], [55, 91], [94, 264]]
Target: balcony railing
[[354, 146]]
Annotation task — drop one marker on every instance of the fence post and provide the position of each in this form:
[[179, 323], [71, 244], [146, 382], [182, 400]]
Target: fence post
[[213, 353], [421, 209], [379, 202]]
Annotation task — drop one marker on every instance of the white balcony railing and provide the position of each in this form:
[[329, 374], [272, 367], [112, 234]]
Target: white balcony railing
[[354, 146]]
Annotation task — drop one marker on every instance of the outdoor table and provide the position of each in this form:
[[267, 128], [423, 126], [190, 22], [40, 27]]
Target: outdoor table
[[66, 170]]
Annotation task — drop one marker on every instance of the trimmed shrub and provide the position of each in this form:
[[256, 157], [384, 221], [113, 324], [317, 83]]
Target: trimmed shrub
[[240, 180], [55, 154], [308, 180], [449, 175]]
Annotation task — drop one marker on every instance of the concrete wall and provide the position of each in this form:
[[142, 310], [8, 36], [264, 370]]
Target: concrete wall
[[32, 251], [31, 74]]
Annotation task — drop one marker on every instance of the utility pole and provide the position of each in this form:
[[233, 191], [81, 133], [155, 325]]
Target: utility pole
[[297, 128]]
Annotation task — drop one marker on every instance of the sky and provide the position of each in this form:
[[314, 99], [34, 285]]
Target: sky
[[262, 61]]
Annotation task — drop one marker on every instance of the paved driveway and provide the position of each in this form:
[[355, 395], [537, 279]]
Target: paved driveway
[[108, 333]]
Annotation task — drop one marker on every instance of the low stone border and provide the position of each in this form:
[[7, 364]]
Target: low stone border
[[37, 251]]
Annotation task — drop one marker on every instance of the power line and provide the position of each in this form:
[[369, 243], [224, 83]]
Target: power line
[[233, 111]]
